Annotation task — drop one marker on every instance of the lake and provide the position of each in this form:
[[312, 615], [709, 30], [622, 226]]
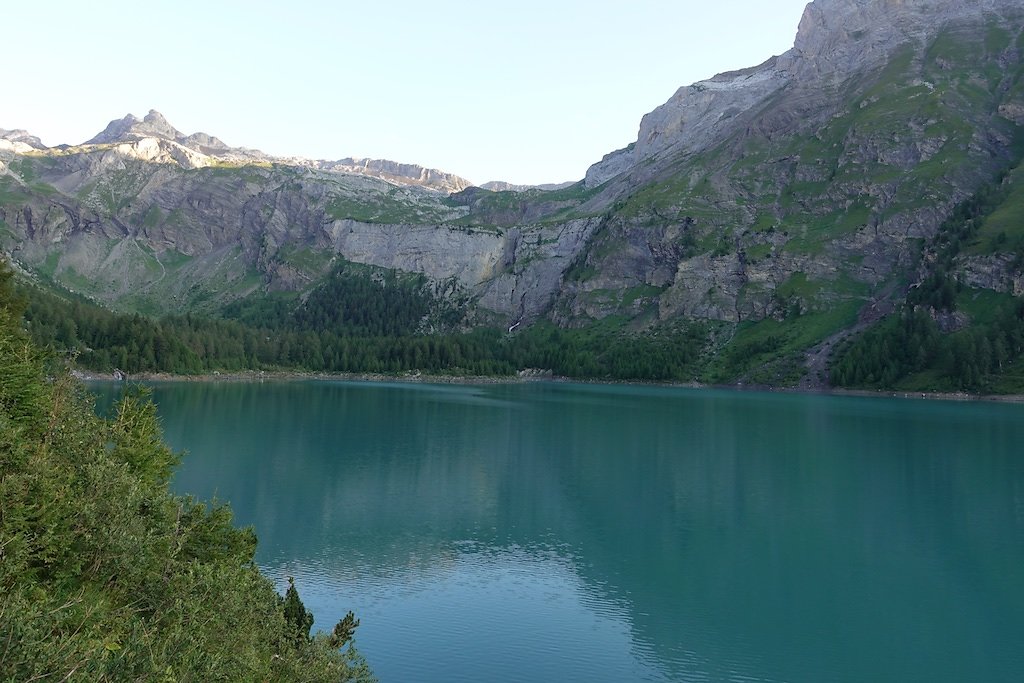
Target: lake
[[558, 532]]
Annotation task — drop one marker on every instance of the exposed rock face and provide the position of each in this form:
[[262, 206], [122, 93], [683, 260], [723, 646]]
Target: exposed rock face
[[812, 178], [836, 40], [142, 138], [697, 116], [179, 229], [611, 165], [21, 140], [999, 272], [404, 174], [440, 253], [129, 129], [537, 259], [843, 37], [502, 186]]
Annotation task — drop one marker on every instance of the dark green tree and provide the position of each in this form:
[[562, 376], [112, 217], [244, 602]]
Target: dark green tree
[[295, 613]]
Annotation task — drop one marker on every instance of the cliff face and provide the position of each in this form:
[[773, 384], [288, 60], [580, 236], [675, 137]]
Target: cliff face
[[809, 183], [814, 179], [837, 40], [159, 234]]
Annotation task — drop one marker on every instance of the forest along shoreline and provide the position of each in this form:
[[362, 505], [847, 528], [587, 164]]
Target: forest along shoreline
[[525, 376]]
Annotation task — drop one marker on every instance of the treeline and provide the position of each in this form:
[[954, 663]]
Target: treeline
[[353, 301], [910, 343], [107, 576], [290, 339], [939, 289], [892, 352]]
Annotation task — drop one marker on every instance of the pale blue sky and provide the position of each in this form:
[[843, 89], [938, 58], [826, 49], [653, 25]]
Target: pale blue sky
[[528, 92]]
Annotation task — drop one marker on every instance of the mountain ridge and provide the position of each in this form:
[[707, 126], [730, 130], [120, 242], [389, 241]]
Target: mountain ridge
[[835, 38], [801, 193]]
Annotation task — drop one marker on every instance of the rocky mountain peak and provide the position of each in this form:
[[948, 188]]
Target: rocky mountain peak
[[116, 131], [157, 126], [398, 173], [194, 150], [153, 125], [21, 137], [849, 35], [836, 40]]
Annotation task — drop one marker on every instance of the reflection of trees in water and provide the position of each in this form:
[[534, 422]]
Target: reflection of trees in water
[[786, 535]]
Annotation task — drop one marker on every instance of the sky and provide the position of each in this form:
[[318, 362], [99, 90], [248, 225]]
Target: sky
[[527, 92]]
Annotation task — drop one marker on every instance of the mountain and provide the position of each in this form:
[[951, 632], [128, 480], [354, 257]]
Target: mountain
[[860, 139], [143, 217], [786, 206], [19, 140], [141, 137], [502, 186]]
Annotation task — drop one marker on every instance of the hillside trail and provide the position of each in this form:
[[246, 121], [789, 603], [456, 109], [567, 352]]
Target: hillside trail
[[156, 257]]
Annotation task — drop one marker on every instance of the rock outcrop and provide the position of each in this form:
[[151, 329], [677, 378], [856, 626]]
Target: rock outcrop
[[836, 41], [401, 174], [20, 140], [142, 138], [130, 129]]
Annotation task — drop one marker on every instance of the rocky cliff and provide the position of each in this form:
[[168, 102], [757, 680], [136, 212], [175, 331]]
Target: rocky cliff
[[829, 164], [148, 223], [837, 41]]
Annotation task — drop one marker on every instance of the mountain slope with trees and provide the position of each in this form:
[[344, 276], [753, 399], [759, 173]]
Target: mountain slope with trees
[[105, 575], [766, 215]]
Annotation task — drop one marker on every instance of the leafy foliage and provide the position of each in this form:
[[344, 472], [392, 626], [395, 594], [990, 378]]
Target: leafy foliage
[[104, 574], [296, 615], [348, 303], [908, 351]]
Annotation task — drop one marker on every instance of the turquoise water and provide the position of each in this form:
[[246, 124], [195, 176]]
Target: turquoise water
[[559, 532]]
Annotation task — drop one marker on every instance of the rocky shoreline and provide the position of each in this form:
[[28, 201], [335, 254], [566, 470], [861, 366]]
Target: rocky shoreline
[[522, 377]]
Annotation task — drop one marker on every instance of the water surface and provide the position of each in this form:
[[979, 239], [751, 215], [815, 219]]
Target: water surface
[[549, 532]]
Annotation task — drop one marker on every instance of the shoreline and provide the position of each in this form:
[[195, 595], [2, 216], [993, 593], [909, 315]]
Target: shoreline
[[260, 376]]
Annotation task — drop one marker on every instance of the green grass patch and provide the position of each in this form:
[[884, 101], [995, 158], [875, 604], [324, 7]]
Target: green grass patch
[[152, 217], [304, 259], [48, 268], [12, 192], [73, 279], [86, 190], [1010, 381], [173, 260], [1003, 228], [764, 351], [765, 223], [176, 218], [488, 208], [798, 285], [811, 237], [949, 46], [756, 252], [821, 293], [375, 209], [983, 305], [24, 168]]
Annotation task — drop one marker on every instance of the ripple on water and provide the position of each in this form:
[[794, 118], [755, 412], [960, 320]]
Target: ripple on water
[[525, 610]]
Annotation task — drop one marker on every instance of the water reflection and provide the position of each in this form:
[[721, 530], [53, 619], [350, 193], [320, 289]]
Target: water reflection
[[611, 533]]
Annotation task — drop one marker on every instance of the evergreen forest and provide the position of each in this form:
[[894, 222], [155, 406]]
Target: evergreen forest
[[105, 574]]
